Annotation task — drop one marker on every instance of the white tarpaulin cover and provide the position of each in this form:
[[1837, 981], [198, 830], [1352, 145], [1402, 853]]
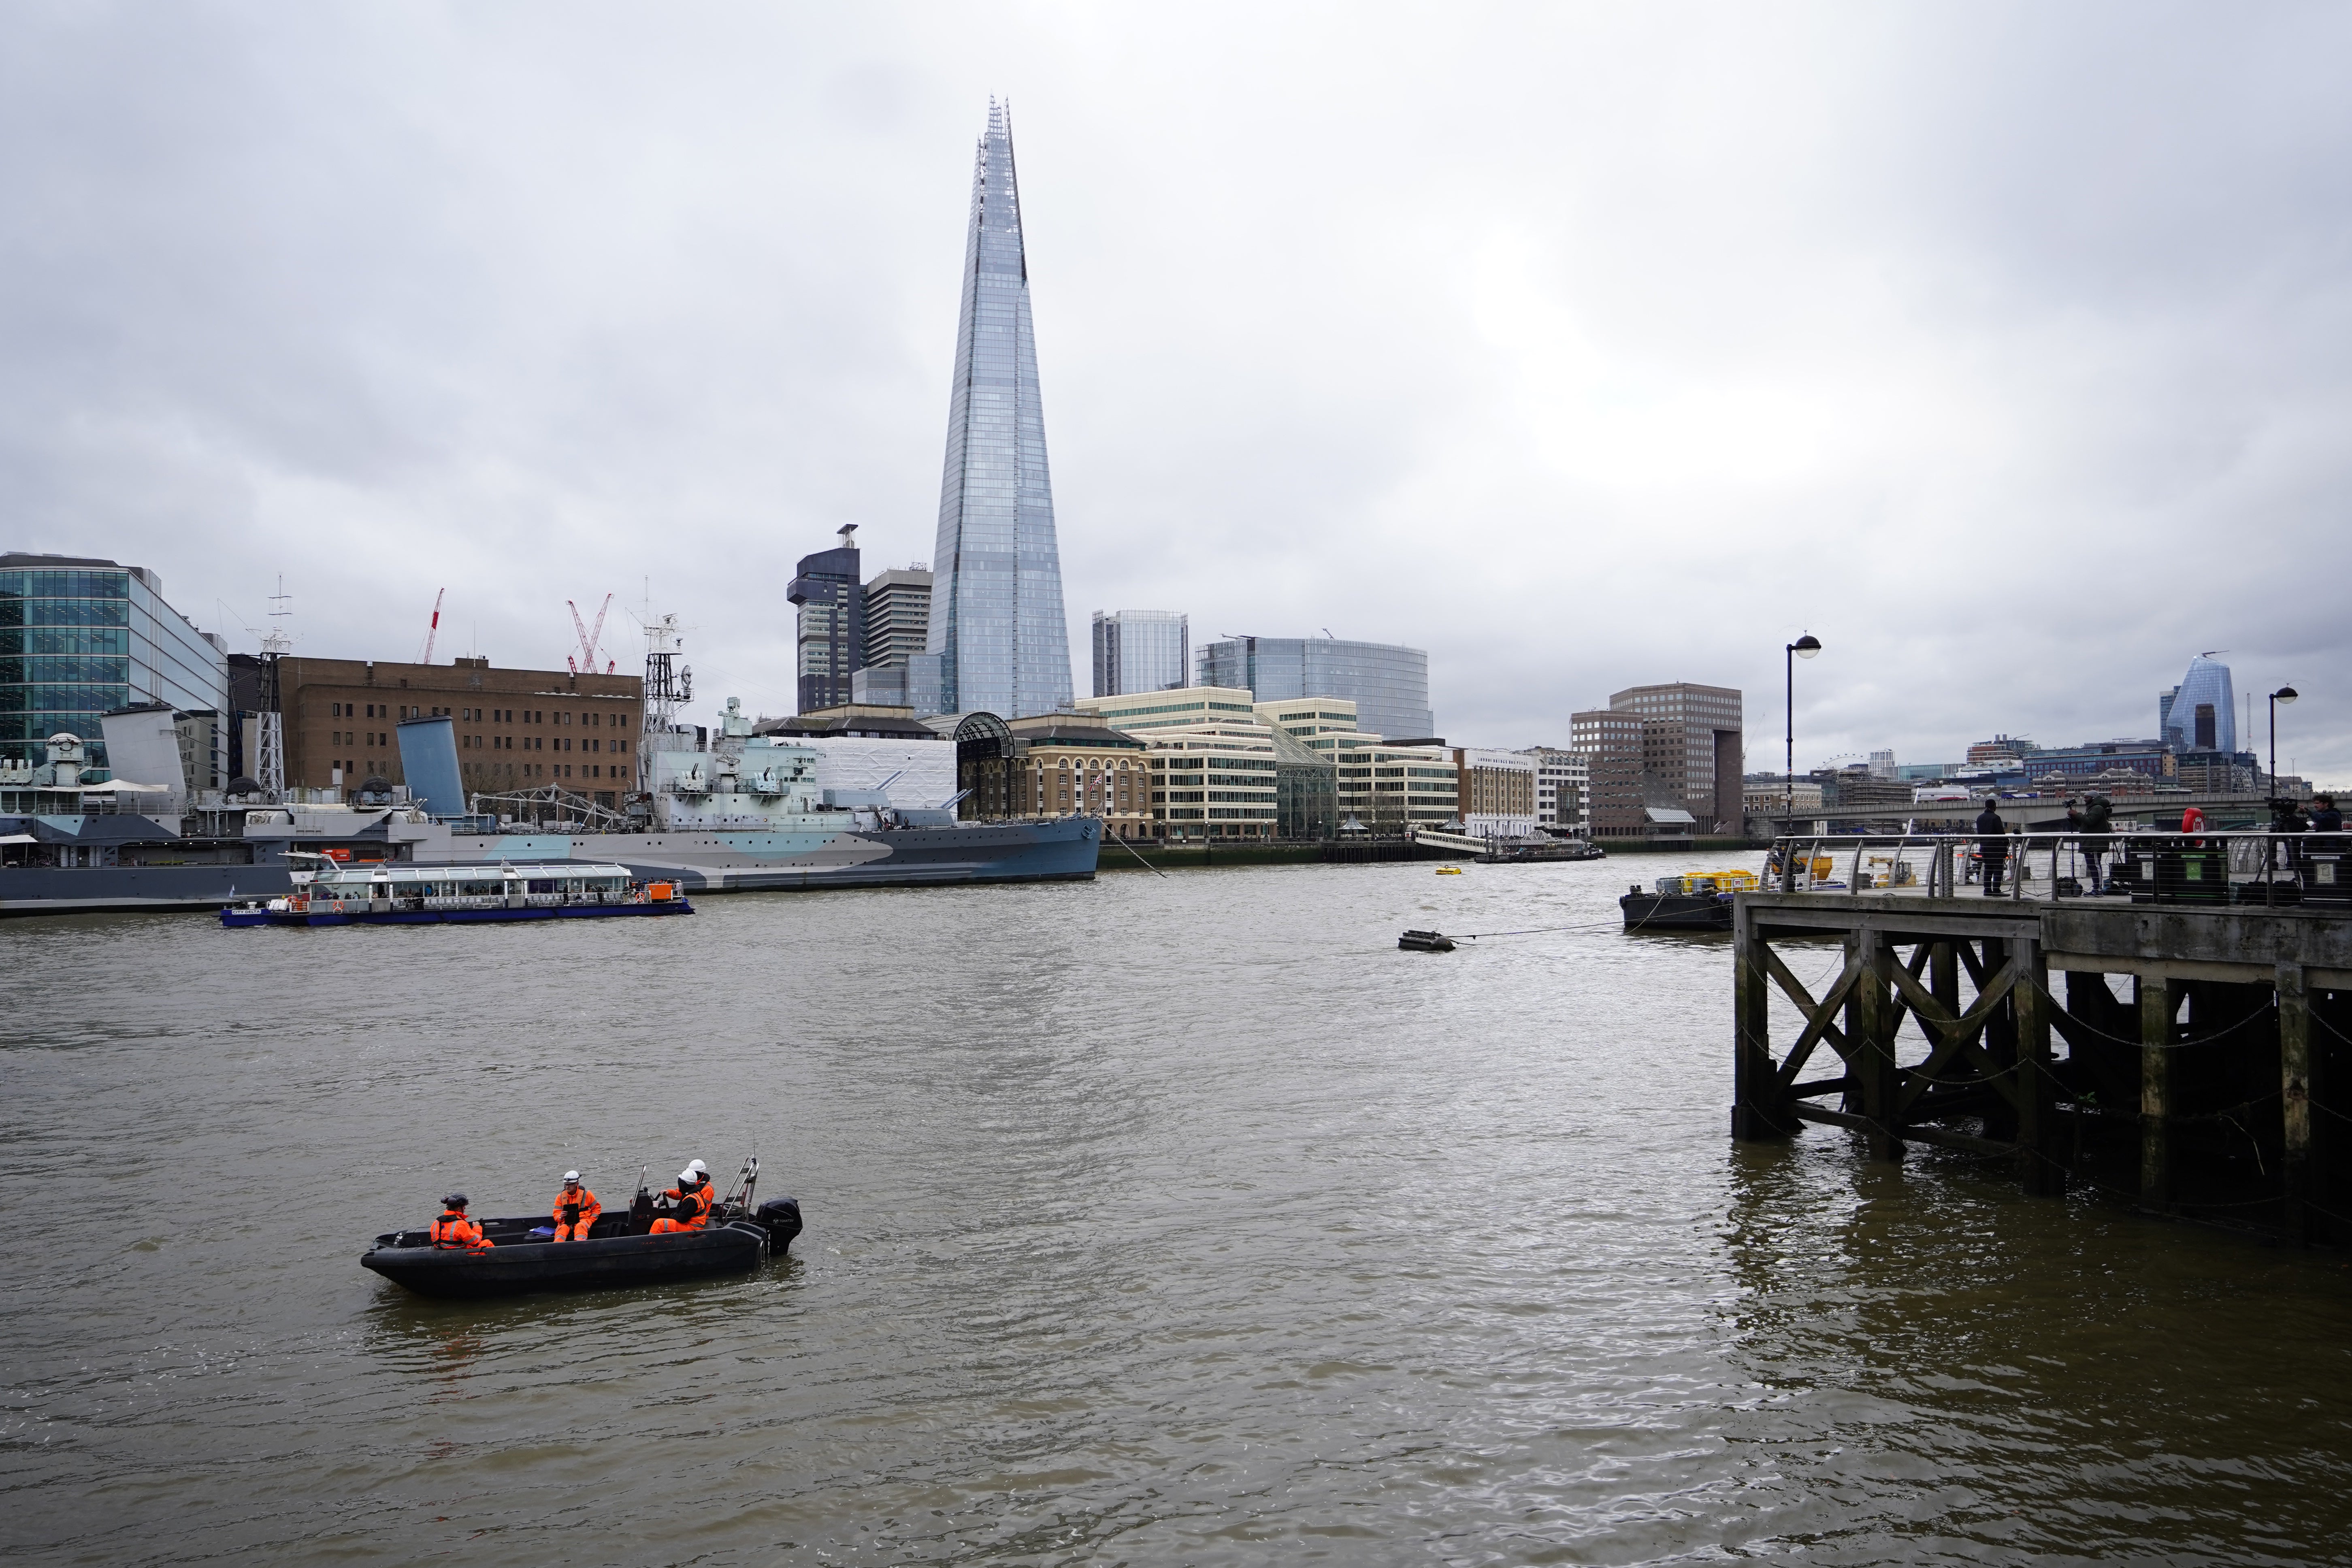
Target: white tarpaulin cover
[[926, 769]]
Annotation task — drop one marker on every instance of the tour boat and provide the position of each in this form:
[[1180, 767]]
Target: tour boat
[[388, 893]]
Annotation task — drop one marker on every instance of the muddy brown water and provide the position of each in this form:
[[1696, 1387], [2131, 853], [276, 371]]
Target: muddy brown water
[[1154, 1220]]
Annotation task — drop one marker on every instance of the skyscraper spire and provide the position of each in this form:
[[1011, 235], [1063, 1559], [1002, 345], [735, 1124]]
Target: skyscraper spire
[[996, 605]]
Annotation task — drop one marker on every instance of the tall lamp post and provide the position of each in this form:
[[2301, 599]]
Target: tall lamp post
[[2283, 694], [1805, 647]]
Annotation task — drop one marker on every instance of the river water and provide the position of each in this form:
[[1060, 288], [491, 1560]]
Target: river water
[[1156, 1220]]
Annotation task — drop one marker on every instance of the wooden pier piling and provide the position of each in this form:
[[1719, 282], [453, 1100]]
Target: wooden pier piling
[[1945, 1030]]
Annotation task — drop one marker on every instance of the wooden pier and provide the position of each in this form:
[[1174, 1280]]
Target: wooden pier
[[1994, 1026]]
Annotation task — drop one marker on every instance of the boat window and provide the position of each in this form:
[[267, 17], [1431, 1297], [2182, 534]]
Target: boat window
[[542, 884]]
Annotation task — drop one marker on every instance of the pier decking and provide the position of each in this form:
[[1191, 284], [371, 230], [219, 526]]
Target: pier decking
[[1993, 1026]]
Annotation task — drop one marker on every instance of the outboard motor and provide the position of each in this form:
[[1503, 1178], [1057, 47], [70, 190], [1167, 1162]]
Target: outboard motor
[[781, 1216]]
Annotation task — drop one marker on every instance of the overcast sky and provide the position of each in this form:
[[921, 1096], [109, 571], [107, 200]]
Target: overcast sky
[[2008, 348]]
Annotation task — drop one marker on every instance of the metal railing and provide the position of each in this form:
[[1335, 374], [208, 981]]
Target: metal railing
[[2207, 868]]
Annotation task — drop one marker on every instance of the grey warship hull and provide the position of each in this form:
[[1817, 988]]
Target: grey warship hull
[[699, 860]]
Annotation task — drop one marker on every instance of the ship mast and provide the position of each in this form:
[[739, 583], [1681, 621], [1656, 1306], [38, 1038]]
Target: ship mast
[[269, 758], [668, 687]]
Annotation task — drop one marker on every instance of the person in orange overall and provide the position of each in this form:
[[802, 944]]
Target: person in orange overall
[[577, 1209], [454, 1230], [690, 1203]]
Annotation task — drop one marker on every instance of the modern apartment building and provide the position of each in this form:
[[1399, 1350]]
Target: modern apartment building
[[1140, 650], [1496, 792], [80, 636], [1389, 684], [998, 642], [831, 636]]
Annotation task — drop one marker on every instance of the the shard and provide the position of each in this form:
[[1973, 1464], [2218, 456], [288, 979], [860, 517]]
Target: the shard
[[997, 632]]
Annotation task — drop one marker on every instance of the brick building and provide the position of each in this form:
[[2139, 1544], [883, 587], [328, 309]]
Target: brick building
[[517, 728]]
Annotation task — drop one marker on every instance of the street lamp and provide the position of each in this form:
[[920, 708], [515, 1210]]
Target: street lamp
[[2283, 694], [1805, 647]]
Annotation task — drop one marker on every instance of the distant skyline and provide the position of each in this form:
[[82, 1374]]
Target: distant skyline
[[2004, 348]]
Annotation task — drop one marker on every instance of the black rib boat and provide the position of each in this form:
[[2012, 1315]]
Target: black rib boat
[[618, 1252]]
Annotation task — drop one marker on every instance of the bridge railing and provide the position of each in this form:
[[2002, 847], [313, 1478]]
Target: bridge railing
[[2221, 868]]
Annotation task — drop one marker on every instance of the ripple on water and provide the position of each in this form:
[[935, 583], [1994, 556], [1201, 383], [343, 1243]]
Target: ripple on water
[[1153, 1220]]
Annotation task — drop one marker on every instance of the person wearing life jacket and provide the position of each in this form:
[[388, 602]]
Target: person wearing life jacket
[[453, 1231], [690, 1203], [577, 1209]]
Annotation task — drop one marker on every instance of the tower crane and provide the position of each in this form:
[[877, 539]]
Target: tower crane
[[433, 628], [585, 662]]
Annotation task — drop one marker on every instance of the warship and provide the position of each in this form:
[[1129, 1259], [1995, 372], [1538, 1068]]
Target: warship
[[725, 811]]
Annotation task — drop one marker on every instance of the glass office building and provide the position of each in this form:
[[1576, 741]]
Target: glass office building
[[1389, 684], [80, 636], [2201, 714], [997, 629], [1140, 650]]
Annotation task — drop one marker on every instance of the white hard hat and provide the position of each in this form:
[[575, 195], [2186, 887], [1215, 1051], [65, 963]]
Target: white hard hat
[[571, 1175], [686, 1175], [697, 1167]]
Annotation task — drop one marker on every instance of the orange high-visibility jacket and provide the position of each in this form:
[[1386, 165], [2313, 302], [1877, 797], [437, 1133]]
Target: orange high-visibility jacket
[[576, 1206], [693, 1206], [454, 1229]]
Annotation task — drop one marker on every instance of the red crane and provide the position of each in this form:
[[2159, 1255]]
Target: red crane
[[585, 663], [434, 629]]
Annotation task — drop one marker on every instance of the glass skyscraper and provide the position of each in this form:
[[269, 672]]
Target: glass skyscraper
[[1140, 650], [1389, 684], [997, 630], [2201, 714], [80, 636]]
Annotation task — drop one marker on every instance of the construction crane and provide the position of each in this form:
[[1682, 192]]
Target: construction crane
[[585, 663], [433, 628]]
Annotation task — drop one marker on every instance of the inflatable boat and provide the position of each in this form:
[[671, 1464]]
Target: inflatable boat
[[523, 1256]]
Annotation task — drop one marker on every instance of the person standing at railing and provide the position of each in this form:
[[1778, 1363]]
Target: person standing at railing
[[2092, 820], [2286, 817], [2324, 817], [1992, 844]]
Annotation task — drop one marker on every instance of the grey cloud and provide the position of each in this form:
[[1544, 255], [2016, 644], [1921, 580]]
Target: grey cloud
[[2004, 347]]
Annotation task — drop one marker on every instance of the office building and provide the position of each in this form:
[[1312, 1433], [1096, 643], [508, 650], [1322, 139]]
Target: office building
[[1496, 792], [1693, 750], [895, 673], [1562, 777], [515, 729], [1140, 650], [80, 636], [2201, 714], [2152, 758], [831, 643], [1664, 762], [1183, 707], [998, 642], [897, 614], [1389, 684]]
